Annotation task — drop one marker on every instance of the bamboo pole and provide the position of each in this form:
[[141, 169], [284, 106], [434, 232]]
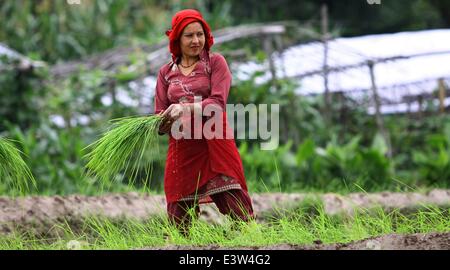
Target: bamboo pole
[[420, 110], [441, 96], [268, 48], [279, 47], [324, 15], [377, 103]]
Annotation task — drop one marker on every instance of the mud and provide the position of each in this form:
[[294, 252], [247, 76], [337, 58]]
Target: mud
[[42, 212], [430, 241]]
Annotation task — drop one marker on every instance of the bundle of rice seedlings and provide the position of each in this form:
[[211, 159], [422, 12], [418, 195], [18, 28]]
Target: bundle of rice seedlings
[[13, 168], [121, 149]]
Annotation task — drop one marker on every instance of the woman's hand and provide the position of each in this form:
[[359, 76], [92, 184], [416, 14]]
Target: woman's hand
[[165, 125], [171, 114], [175, 111]]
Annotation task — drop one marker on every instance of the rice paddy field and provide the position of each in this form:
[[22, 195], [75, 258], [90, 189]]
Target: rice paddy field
[[284, 221]]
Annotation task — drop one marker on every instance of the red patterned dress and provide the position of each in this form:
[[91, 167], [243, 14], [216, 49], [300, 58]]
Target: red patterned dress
[[198, 168]]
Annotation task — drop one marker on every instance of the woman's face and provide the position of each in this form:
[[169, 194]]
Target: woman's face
[[192, 39]]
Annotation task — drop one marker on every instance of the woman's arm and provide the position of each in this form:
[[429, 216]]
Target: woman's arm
[[220, 83], [161, 101]]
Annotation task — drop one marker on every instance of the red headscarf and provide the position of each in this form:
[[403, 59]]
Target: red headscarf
[[179, 21]]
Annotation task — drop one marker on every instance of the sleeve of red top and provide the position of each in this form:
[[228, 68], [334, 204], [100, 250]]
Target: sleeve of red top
[[220, 82], [161, 100]]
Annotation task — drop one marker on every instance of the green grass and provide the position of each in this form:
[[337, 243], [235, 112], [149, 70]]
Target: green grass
[[306, 224]]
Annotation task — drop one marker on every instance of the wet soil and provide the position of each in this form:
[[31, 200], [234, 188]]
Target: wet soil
[[429, 241], [40, 214]]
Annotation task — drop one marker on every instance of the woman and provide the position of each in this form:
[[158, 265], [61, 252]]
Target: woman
[[198, 170]]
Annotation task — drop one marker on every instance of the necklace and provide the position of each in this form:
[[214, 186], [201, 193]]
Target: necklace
[[189, 65]]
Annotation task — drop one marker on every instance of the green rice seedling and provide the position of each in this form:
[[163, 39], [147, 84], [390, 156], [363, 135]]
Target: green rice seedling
[[121, 149], [13, 169], [297, 228]]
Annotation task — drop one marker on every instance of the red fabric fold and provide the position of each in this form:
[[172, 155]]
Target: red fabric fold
[[191, 163]]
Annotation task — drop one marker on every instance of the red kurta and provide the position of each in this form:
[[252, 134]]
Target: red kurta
[[199, 166]]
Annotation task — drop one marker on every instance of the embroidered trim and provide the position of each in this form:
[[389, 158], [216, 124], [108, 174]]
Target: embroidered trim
[[210, 192]]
